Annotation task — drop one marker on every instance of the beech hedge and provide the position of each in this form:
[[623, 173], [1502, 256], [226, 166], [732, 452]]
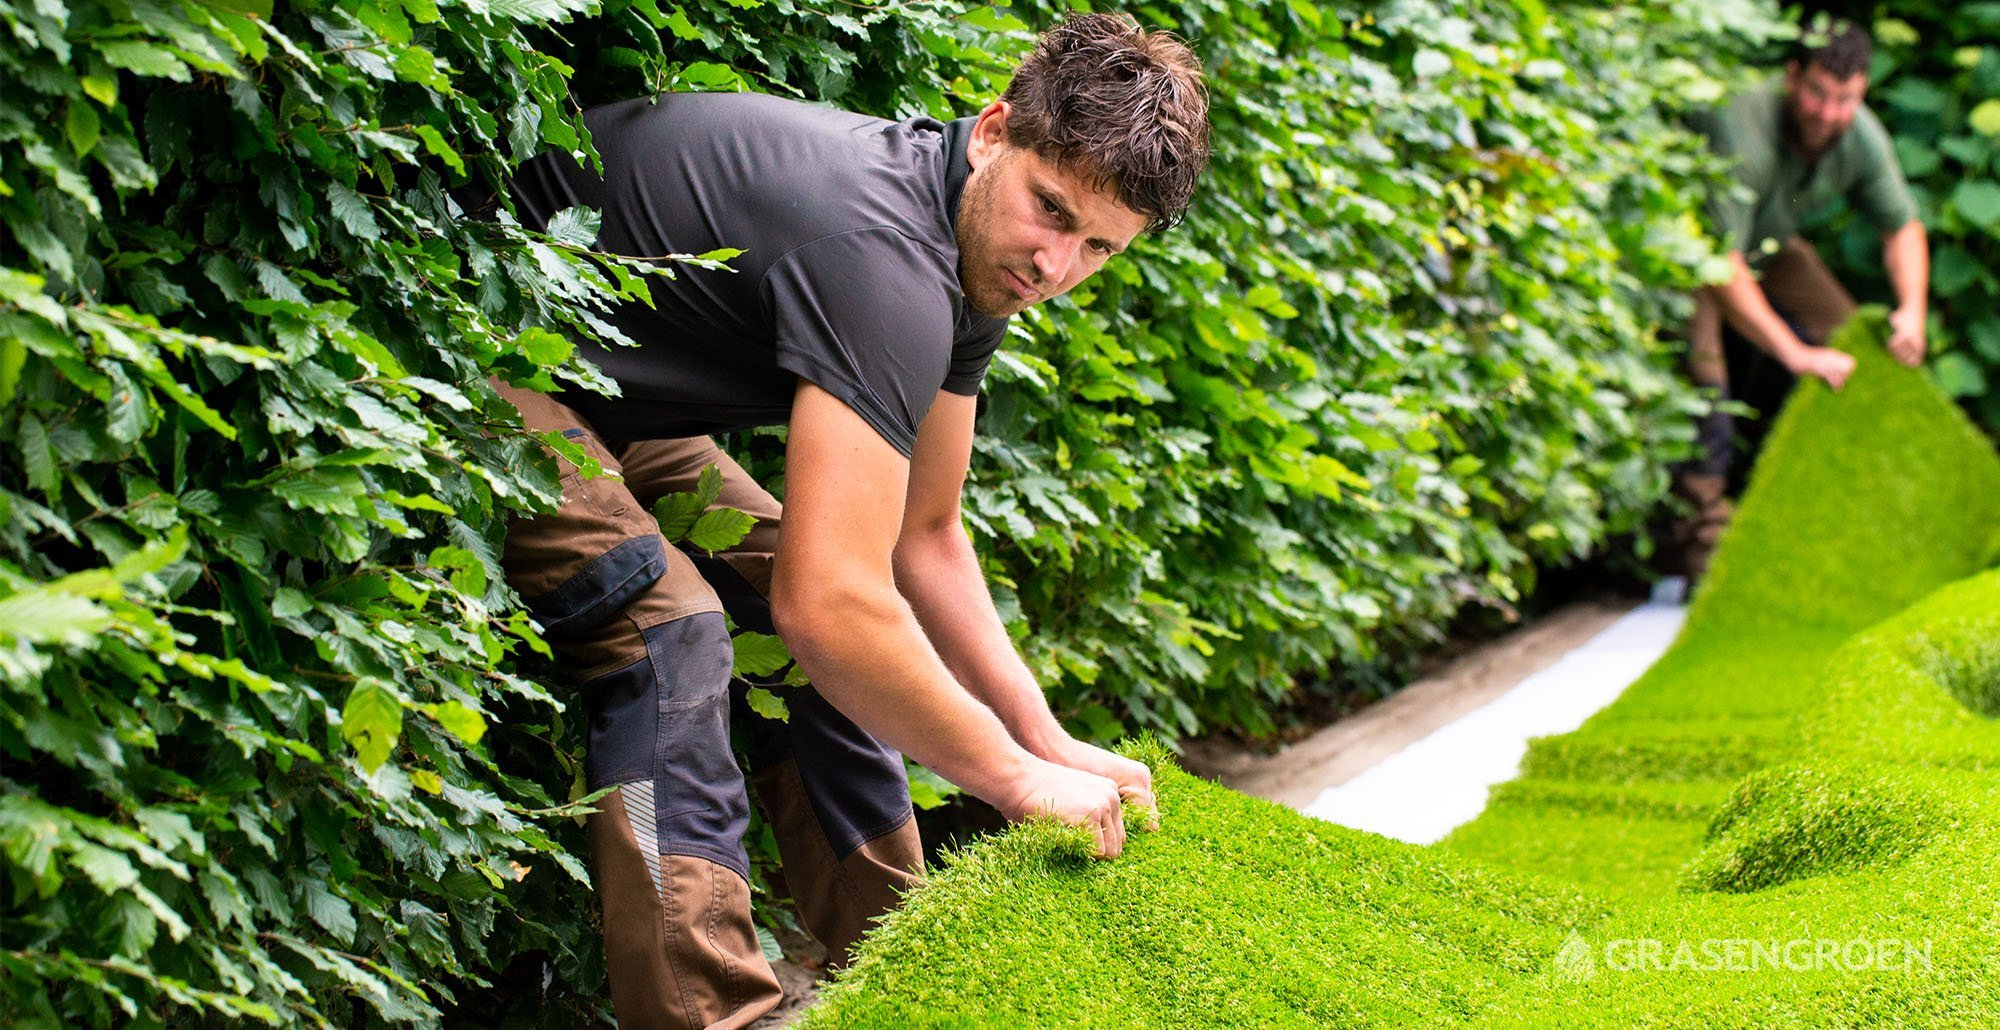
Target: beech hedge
[[279, 744]]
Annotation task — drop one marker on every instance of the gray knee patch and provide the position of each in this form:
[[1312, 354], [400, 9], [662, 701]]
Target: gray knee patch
[[665, 719]]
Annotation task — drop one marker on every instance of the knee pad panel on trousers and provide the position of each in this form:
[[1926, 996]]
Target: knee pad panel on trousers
[[665, 719], [597, 592], [855, 784]]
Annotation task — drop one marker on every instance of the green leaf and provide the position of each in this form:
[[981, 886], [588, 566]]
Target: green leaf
[[1959, 376], [329, 491], [468, 572], [1985, 118], [137, 927], [537, 11], [1985, 336], [38, 453], [13, 356], [128, 412], [767, 704], [928, 790], [758, 654], [1430, 64], [720, 529], [434, 142], [1979, 201], [458, 720], [153, 557], [418, 65], [290, 603], [1953, 269], [575, 227], [544, 347], [101, 88], [108, 870], [371, 721], [1895, 32], [81, 124], [330, 911], [143, 58], [353, 211], [39, 615], [677, 514], [708, 486]]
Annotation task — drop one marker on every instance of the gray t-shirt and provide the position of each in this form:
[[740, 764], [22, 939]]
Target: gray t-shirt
[[849, 276]]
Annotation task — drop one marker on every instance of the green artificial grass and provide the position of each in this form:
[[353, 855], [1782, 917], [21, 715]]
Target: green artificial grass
[[1792, 819]]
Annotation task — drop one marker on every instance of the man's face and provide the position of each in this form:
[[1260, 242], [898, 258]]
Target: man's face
[[1822, 104], [1028, 230]]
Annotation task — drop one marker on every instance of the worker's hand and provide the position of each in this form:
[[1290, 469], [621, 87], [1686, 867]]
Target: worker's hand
[[1134, 780], [1075, 797], [1825, 362], [1906, 334]]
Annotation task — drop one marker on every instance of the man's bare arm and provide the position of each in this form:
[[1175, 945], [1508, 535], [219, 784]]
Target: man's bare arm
[[938, 572], [1906, 256], [1745, 306], [835, 603]]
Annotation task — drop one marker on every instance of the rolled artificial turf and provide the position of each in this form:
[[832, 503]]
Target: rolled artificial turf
[[1790, 819]]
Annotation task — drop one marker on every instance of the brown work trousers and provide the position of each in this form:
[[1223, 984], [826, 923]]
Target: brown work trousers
[[1814, 303], [639, 624]]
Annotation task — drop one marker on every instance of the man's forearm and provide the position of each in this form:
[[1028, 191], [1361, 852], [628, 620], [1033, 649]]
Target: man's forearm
[[938, 572], [865, 651], [1743, 303], [1906, 257]]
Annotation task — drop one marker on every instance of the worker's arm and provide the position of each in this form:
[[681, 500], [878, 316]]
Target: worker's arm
[[1749, 311], [938, 572], [1906, 256], [835, 603]]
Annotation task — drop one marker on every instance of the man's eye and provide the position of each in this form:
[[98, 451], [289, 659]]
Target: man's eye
[[1050, 207], [1102, 248]]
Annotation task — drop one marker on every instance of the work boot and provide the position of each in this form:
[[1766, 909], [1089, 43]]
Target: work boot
[[1696, 534]]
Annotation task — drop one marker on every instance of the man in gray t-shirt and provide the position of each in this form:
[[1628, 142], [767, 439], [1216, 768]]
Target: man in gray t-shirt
[[880, 263]]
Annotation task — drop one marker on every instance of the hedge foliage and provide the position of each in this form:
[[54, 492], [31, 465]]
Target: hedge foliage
[[1936, 83], [276, 746]]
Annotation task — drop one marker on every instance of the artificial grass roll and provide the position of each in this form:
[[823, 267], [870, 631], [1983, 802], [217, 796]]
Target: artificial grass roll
[[1791, 820]]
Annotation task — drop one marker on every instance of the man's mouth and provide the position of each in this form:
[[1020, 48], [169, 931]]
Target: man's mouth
[[1021, 286]]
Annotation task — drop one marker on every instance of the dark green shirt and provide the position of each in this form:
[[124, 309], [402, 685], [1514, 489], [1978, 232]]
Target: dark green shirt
[[1784, 188]]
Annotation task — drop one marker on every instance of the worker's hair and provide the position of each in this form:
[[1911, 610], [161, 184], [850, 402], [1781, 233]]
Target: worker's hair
[[1837, 45], [1121, 105]]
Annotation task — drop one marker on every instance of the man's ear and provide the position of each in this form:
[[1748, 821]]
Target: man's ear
[[1791, 73], [989, 134]]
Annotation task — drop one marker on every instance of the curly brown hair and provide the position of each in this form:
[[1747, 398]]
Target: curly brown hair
[[1837, 45], [1124, 105]]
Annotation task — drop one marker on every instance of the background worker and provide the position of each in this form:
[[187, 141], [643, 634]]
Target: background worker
[[1799, 143], [881, 261]]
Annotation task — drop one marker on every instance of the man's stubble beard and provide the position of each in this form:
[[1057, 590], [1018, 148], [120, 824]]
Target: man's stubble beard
[[1794, 133], [979, 279]]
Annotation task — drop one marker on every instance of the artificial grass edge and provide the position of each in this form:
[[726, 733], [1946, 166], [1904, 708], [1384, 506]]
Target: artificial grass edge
[[1861, 803]]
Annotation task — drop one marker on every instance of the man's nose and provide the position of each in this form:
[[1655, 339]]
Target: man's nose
[[1053, 260]]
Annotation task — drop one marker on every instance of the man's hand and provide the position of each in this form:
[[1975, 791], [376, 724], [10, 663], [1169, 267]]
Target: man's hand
[[1075, 797], [1825, 362], [1134, 780], [1906, 334]]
